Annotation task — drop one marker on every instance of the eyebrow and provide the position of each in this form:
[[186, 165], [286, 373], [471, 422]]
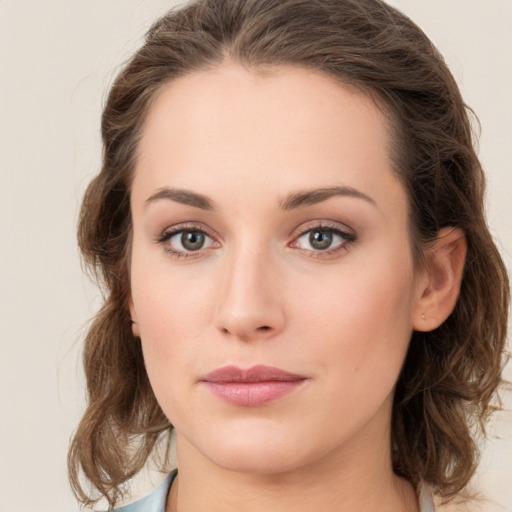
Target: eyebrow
[[292, 202], [182, 196], [315, 196]]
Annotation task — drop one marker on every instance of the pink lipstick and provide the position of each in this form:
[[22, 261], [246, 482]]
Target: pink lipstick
[[251, 387]]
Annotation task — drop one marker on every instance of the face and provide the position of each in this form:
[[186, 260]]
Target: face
[[272, 278]]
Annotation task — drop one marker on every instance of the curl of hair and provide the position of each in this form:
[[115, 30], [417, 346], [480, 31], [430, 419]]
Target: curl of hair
[[450, 376]]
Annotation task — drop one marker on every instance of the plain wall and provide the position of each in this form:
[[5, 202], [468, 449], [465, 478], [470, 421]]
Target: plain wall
[[57, 59]]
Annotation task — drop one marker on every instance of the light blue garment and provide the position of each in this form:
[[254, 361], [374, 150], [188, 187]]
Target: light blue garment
[[155, 502], [425, 499]]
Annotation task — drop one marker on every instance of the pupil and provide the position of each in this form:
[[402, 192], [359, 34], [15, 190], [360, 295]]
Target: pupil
[[320, 239], [192, 240]]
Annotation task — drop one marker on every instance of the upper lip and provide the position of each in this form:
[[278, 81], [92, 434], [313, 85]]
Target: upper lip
[[259, 373]]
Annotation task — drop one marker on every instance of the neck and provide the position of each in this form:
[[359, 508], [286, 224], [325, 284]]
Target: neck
[[355, 477], [285, 494]]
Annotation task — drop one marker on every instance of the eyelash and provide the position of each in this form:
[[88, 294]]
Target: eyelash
[[348, 239], [176, 230], [347, 236]]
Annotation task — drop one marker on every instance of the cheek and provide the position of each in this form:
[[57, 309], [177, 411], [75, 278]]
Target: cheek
[[170, 344], [362, 325], [167, 296], [172, 321], [172, 313]]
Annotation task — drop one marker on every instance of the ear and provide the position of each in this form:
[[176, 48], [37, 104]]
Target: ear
[[439, 285], [133, 316]]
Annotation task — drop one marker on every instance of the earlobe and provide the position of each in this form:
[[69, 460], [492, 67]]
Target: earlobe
[[133, 316], [440, 284], [135, 329]]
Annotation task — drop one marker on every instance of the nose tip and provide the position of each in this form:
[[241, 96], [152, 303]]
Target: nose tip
[[250, 306]]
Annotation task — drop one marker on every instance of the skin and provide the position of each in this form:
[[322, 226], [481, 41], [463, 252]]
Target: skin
[[258, 291]]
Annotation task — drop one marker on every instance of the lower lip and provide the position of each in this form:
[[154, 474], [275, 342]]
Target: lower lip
[[253, 394]]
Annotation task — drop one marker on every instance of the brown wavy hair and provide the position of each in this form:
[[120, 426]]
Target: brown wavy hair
[[448, 383]]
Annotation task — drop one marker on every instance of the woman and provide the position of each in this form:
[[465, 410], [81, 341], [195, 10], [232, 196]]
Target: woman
[[300, 281]]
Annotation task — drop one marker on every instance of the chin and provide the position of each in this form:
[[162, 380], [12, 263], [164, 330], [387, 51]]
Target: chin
[[256, 460], [261, 451]]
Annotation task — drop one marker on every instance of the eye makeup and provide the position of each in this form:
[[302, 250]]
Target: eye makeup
[[318, 239]]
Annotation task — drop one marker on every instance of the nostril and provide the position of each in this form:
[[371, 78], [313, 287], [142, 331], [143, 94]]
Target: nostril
[[247, 333]]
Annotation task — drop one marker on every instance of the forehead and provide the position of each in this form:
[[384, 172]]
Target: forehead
[[286, 126], [233, 100]]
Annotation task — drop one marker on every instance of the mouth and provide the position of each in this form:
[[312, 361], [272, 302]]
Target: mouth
[[251, 387]]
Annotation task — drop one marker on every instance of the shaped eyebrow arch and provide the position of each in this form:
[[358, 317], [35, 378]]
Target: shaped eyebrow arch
[[315, 196], [292, 202], [182, 196]]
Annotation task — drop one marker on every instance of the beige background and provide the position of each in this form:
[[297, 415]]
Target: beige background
[[57, 58]]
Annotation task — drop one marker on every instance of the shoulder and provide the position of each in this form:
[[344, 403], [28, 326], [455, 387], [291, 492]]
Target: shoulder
[[154, 502]]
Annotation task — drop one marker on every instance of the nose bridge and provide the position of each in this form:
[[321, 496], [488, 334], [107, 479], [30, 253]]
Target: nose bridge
[[249, 300]]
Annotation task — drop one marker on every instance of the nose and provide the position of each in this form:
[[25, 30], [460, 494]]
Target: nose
[[250, 305]]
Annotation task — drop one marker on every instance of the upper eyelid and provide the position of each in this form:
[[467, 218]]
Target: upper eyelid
[[326, 224], [348, 236], [186, 226]]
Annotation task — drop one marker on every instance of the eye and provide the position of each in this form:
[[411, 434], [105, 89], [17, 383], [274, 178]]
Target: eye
[[323, 239], [182, 241], [320, 240]]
